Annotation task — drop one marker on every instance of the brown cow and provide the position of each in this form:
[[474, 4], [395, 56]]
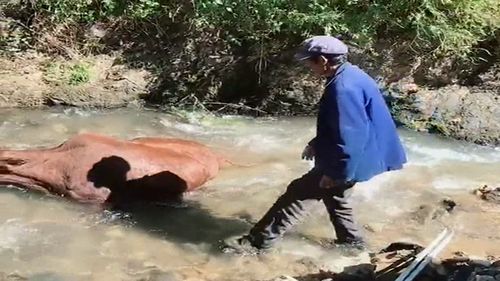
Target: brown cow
[[101, 169]]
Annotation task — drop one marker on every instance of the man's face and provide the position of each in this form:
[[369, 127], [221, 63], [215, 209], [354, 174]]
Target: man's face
[[318, 66]]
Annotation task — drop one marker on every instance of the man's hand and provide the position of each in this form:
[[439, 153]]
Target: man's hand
[[326, 182], [308, 153]]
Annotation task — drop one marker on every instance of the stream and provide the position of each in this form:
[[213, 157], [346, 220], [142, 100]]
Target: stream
[[44, 238]]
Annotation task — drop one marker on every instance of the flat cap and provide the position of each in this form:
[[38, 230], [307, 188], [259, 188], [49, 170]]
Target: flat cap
[[321, 45]]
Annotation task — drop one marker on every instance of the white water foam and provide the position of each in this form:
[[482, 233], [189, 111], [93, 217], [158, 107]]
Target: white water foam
[[14, 233]]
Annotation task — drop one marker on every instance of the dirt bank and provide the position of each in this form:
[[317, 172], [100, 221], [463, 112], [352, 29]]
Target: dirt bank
[[201, 71], [466, 113], [36, 80]]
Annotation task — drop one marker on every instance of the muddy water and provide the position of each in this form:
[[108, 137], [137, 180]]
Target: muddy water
[[44, 238]]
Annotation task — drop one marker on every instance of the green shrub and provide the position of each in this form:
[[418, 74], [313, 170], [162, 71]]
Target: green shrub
[[445, 27], [78, 74], [448, 27], [71, 73], [87, 11]]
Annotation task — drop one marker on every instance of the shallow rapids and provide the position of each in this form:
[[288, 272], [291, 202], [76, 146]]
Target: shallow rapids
[[44, 238]]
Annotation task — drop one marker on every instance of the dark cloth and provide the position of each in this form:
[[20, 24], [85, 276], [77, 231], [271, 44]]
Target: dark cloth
[[288, 210]]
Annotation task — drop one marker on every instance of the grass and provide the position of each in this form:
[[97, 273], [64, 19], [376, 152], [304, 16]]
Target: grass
[[78, 74], [66, 73]]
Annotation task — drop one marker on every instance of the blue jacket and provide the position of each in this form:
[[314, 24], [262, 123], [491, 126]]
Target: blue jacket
[[356, 137]]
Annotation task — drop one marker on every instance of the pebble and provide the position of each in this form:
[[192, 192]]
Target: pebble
[[374, 227], [285, 278], [484, 278], [478, 262]]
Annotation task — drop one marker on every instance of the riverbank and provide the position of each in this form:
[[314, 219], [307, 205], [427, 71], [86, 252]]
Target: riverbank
[[36, 80], [440, 75]]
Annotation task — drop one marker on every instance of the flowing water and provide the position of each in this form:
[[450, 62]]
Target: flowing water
[[44, 238]]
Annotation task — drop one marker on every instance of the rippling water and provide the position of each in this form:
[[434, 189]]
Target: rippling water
[[45, 238]]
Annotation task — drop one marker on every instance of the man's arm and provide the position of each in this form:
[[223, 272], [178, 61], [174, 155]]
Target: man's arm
[[348, 120]]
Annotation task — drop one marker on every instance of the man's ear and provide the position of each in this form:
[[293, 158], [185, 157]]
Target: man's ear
[[323, 60]]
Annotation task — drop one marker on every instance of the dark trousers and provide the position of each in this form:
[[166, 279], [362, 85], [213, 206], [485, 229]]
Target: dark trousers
[[288, 209]]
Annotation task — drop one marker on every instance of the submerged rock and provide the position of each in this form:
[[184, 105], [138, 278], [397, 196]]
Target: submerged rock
[[285, 278], [488, 194], [428, 212], [11, 277]]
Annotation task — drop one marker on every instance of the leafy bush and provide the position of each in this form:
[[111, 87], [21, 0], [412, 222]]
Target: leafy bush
[[71, 73], [446, 27], [87, 11]]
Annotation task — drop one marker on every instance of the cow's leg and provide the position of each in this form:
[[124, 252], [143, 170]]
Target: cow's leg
[[15, 169], [10, 161]]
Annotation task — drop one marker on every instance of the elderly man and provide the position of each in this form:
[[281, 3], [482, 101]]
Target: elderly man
[[356, 139]]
